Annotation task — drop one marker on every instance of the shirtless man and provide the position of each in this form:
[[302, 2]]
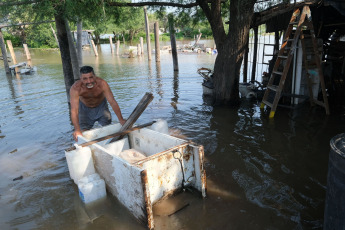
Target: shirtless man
[[88, 97]]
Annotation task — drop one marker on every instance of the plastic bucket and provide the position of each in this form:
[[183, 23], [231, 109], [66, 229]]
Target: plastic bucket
[[335, 196]]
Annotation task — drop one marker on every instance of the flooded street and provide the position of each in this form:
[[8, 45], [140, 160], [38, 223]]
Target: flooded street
[[261, 174]]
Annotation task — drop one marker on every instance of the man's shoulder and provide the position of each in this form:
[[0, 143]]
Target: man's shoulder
[[101, 82], [76, 86]]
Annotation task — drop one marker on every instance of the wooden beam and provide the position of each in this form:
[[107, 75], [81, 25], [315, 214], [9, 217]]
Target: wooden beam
[[148, 40], [144, 102], [120, 133], [13, 55], [173, 42], [157, 47]]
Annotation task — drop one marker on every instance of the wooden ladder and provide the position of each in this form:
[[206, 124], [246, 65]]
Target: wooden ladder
[[299, 22]]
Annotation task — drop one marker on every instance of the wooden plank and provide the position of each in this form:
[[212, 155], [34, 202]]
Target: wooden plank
[[94, 48], [111, 44], [27, 52], [144, 102], [173, 42], [10, 47], [157, 48], [120, 133], [147, 28], [21, 64]]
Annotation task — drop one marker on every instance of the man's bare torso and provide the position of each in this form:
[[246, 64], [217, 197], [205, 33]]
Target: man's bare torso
[[91, 97]]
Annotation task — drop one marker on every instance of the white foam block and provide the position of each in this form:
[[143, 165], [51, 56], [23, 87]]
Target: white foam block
[[80, 163]]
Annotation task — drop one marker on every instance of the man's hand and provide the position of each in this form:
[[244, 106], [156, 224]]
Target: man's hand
[[76, 134], [123, 121]]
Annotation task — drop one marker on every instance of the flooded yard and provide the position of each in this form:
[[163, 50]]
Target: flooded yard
[[261, 173]]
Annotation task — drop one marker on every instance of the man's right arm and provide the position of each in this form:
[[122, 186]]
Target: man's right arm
[[74, 100]]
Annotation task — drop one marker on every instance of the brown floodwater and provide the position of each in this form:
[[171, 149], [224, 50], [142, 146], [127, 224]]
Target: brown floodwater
[[261, 173]]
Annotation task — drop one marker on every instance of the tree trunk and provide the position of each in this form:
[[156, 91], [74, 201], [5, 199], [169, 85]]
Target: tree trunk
[[64, 51], [79, 42], [231, 46], [131, 35], [73, 52]]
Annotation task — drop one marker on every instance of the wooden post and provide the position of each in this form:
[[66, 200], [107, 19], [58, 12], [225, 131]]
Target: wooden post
[[94, 47], [27, 52], [79, 42], [139, 109], [198, 39], [148, 40], [4, 53], [10, 47], [56, 39], [173, 42], [158, 51], [138, 50], [255, 53], [142, 45], [111, 44], [245, 61], [117, 47]]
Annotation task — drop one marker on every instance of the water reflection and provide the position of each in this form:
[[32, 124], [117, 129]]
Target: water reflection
[[174, 99], [159, 89]]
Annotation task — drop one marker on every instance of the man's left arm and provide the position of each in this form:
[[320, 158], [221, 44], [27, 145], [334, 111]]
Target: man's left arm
[[110, 98]]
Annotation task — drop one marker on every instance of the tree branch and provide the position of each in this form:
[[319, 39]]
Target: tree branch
[[150, 3], [23, 24], [17, 3]]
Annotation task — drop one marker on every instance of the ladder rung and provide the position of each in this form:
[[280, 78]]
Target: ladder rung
[[267, 103], [289, 40], [273, 87], [277, 72], [283, 56]]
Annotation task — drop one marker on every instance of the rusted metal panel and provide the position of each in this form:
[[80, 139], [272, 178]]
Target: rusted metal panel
[[165, 173], [148, 205], [200, 173]]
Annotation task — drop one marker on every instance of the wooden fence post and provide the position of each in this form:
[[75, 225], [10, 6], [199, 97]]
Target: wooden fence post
[[148, 40], [117, 47], [138, 50], [173, 42], [142, 45], [10, 47], [157, 48], [111, 44], [27, 52], [94, 48]]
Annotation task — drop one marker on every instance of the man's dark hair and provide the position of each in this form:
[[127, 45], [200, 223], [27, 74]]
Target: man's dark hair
[[86, 69]]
